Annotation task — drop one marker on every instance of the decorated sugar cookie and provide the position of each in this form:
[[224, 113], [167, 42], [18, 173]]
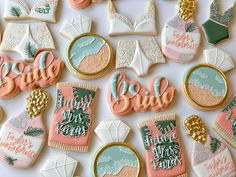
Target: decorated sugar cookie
[[27, 39], [225, 123], [206, 85], [115, 158], [22, 137], [89, 56], [63, 166], [163, 147], [125, 95], [145, 24], [139, 55], [75, 26], [216, 27], [181, 35], [210, 157], [81, 4], [17, 76], [43, 10], [73, 117]]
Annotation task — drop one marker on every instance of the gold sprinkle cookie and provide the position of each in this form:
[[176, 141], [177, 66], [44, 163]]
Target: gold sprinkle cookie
[[1, 114], [195, 128], [37, 102], [186, 9]]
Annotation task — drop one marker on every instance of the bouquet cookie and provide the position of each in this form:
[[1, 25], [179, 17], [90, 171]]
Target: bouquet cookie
[[115, 158], [73, 117], [210, 157], [22, 137], [163, 148]]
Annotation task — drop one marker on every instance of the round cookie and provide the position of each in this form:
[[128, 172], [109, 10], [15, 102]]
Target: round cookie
[[117, 159], [80, 4], [89, 56], [205, 86]]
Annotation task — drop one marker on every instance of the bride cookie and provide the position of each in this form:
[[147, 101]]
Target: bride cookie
[[23, 137], [181, 35]]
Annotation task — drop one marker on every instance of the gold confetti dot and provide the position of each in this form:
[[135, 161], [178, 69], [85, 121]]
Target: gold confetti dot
[[186, 9]]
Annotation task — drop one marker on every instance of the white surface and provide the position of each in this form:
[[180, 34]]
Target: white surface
[[173, 71]]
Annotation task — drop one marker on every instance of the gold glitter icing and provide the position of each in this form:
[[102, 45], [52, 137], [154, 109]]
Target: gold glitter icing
[[37, 102], [186, 9], [195, 128]]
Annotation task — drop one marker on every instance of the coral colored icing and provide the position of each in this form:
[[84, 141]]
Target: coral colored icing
[[79, 3], [16, 76], [125, 95]]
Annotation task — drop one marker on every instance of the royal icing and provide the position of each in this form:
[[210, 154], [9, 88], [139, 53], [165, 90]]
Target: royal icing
[[75, 26], [122, 25], [210, 157], [125, 96], [62, 166], [139, 55], [116, 158], [181, 35], [80, 4], [1, 114], [89, 56], [27, 39], [217, 22], [16, 76], [225, 123], [163, 149], [73, 117], [43, 10], [22, 137]]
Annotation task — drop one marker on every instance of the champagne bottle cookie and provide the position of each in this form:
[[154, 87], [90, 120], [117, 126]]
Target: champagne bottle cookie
[[216, 27], [115, 158], [181, 35], [73, 117], [22, 137], [163, 148], [225, 123], [210, 157]]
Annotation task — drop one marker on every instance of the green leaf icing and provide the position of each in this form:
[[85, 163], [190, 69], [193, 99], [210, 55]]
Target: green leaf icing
[[30, 50], [10, 161], [33, 131], [15, 11], [190, 27], [215, 144]]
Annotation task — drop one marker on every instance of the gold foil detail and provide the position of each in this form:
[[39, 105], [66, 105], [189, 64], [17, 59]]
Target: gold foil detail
[[186, 9], [1, 114], [195, 128], [37, 102]]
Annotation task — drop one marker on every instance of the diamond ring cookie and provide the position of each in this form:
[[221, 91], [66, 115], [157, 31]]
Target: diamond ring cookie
[[17, 76], [163, 148], [122, 25], [139, 55], [225, 123], [115, 158], [181, 35], [216, 28], [43, 10], [125, 95], [22, 137], [89, 56], [62, 166], [73, 117], [210, 157], [206, 85]]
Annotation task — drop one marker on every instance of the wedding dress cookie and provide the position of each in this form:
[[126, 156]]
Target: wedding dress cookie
[[125, 95], [181, 35], [216, 28], [63, 166], [163, 148], [17, 76], [22, 137], [210, 157], [115, 158], [43, 10], [73, 117], [122, 25], [206, 85], [139, 55], [27, 39]]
